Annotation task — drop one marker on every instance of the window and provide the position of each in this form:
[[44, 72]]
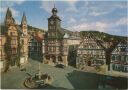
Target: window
[[51, 49], [113, 57], [126, 58], [35, 44], [12, 33], [50, 27], [39, 44], [119, 58], [116, 58], [122, 58], [54, 49], [14, 50], [13, 41], [57, 49]]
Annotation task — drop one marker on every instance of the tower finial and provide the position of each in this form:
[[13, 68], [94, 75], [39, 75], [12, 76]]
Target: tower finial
[[54, 3], [54, 10]]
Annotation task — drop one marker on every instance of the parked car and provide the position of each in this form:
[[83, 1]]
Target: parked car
[[60, 66]]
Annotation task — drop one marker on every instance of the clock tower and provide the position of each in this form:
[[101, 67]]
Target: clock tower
[[54, 25], [54, 41]]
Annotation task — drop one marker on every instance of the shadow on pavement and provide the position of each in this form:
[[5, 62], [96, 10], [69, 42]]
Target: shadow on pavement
[[49, 87], [117, 82], [36, 57], [83, 80], [86, 80]]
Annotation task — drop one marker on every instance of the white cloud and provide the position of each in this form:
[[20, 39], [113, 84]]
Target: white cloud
[[98, 8], [18, 22], [72, 20], [11, 4], [96, 13], [99, 26], [3, 9], [15, 13], [123, 4], [61, 16], [15, 2], [20, 1], [47, 6], [122, 21], [72, 7], [83, 19]]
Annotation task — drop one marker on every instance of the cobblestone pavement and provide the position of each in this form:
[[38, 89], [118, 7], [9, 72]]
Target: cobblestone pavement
[[67, 78]]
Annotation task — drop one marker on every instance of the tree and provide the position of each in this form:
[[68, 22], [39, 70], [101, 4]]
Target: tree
[[20, 46], [8, 53]]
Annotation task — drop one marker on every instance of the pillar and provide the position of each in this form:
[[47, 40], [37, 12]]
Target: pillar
[[56, 59]]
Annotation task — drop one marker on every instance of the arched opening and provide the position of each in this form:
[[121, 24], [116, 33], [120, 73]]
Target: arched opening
[[53, 58], [60, 58], [47, 57], [89, 63]]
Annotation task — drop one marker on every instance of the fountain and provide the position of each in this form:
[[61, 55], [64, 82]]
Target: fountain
[[38, 80]]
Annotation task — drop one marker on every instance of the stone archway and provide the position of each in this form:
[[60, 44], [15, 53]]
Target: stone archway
[[89, 63], [47, 57], [53, 58], [60, 59]]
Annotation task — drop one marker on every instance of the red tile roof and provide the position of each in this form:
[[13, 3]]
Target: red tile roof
[[39, 39]]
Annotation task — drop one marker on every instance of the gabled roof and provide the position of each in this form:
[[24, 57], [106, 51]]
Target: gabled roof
[[93, 37], [121, 47], [37, 38]]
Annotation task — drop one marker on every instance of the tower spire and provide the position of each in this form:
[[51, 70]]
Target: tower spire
[[9, 19], [24, 21], [9, 13], [54, 10]]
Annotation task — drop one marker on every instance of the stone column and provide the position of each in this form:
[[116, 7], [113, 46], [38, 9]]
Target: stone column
[[50, 61], [111, 69], [43, 59], [56, 62], [65, 60]]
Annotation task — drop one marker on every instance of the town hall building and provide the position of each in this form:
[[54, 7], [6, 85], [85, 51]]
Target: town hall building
[[56, 49]]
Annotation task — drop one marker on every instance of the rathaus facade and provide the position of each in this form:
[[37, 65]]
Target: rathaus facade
[[56, 48]]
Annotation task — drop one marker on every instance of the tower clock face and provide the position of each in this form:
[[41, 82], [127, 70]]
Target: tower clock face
[[52, 22]]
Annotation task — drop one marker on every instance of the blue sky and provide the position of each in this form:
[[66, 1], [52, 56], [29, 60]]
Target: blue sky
[[104, 16]]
